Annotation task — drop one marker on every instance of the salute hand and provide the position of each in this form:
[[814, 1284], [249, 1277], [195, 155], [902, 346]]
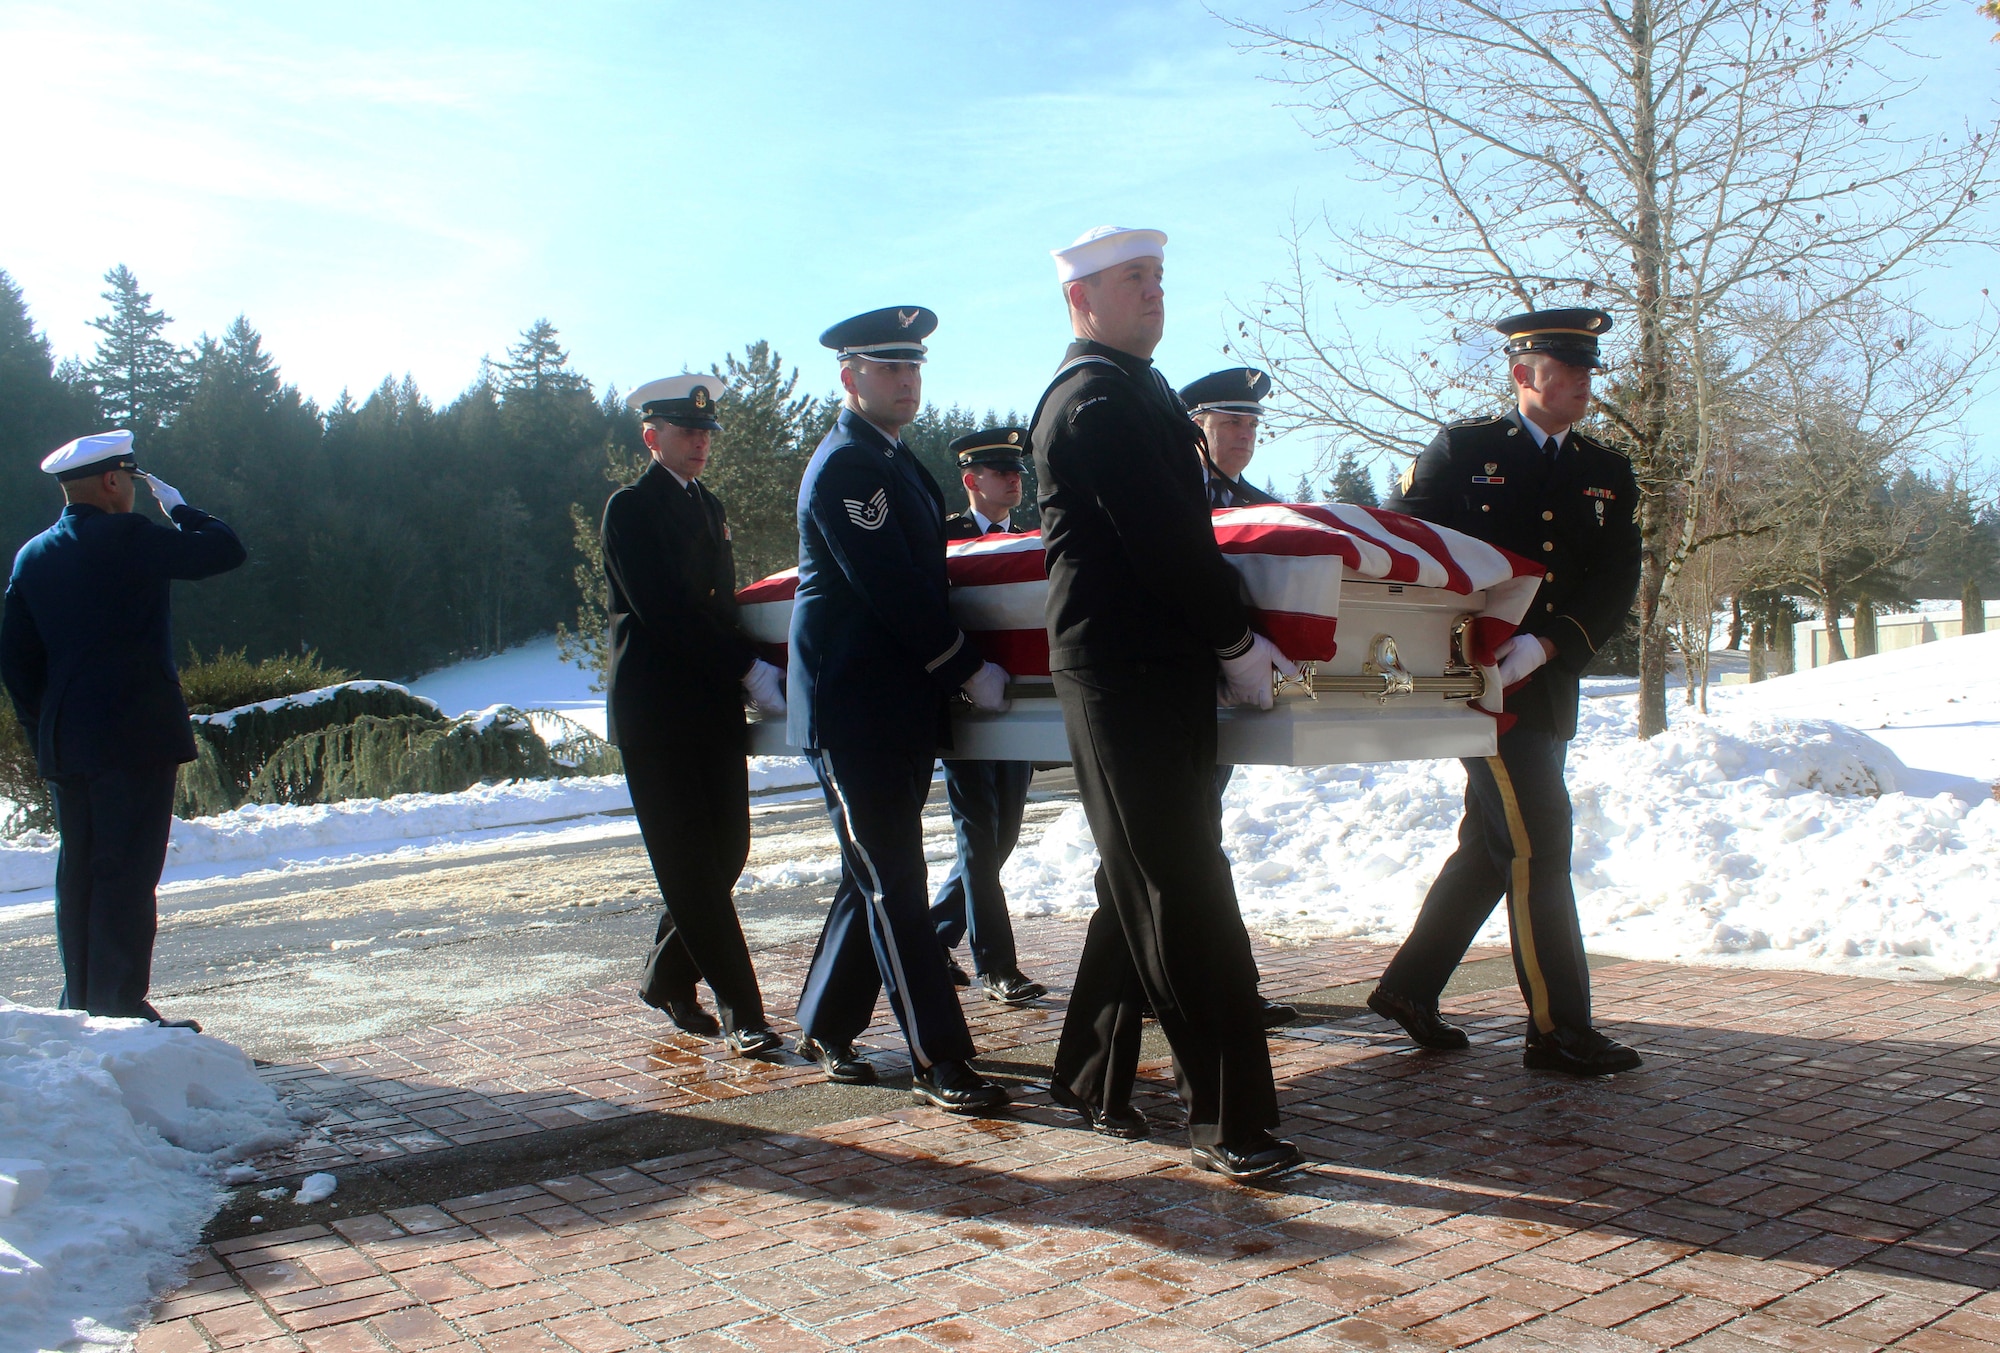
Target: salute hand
[[165, 494]]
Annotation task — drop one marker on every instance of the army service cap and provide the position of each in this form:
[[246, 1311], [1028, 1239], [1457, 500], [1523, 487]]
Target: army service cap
[[1569, 336], [1106, 247], [686, 400], [99, 453], [1240, 389], [894, 333], [995, 448]]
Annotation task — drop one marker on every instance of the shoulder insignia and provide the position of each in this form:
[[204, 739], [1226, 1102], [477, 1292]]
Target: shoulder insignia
[[1407, 480], [870, 515], [1100, 399], [1476, 422]]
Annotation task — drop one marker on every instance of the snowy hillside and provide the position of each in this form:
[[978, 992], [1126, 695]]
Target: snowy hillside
[[1766, 833]]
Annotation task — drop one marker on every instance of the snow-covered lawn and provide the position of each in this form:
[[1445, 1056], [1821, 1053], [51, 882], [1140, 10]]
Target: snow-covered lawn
[[1773, 831], [115, 1137]]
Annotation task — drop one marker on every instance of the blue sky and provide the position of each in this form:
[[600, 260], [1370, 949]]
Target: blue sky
[[400, 188]]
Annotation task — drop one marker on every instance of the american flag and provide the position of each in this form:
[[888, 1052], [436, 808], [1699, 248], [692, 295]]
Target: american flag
[[1292, 557]]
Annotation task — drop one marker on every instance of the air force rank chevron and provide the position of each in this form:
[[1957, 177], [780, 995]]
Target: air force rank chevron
[[870, 515]]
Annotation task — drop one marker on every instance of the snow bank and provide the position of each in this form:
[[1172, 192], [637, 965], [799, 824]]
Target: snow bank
[[1743, 837], [118, 1128], [529, 676], [318, 695], [260, 832]]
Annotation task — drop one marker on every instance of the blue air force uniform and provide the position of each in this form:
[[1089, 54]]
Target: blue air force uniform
[[875, 657], [1568, 502], [988, 798], [87, 653]]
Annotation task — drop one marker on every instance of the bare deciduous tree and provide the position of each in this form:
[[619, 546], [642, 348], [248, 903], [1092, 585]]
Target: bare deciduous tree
[[1669, 160]]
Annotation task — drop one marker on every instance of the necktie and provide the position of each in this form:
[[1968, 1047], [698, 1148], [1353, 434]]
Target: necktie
[[1218, 492]]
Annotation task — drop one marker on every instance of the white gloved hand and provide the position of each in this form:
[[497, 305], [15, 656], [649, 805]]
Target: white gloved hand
[[762, 683], [1518, 658], [987, 689], [165, 494], [1246, 680]]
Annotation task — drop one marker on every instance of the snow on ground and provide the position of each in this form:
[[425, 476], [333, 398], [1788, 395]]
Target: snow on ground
[[529, 676], [113, 1134], [1765, 833]]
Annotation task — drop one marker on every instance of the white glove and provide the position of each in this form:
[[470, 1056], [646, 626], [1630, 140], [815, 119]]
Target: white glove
[[987, 689], [165, 494], [1246, 680], [762, 683], [1518, 658]]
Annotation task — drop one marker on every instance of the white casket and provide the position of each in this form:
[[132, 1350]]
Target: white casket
[[1394, 620]]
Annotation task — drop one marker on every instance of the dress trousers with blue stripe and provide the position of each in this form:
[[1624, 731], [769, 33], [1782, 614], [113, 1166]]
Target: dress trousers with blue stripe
[[875, 658]]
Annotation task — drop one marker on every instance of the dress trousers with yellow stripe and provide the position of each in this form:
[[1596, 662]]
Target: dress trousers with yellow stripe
[[1571, 507]]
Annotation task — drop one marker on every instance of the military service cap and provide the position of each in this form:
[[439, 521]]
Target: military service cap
[[99, 453], [1240, 389], [686, 400], [1569, 336], [1106, 247], [892, 334], [995, 448]]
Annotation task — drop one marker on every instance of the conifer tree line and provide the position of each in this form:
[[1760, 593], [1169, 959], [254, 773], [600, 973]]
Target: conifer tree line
[[393, 534]]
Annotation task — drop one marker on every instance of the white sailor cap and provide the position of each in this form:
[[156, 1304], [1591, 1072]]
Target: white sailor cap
[[98, 453], [686, 400], [1106, 247]]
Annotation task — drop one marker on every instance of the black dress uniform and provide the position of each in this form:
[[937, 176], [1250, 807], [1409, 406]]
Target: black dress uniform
[[987, 798], [87, 652], [1570, 505], [1141, 606], [875, 657], [675, 706]]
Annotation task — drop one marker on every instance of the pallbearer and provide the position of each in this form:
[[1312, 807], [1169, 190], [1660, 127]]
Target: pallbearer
[[875, 661], [679, 671], [987, 797], [1146, 627], [1529, 481], [1226, 406]]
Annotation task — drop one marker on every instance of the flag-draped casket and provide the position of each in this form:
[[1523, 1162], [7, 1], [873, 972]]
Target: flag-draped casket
[[1397, 618]]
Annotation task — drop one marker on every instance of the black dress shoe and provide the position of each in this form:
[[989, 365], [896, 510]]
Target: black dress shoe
[[753, 1042], [1277, 1013], [959, 976], [1010, 988], [1578, 1052], [1422, 1023], [1127, 1123], [687, 1015], [1253, 1160], [956, 1088], [842, 1064]]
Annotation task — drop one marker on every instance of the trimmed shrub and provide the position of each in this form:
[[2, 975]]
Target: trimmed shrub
[[204, 786], [574, 749], [27, 807], [374, 758], [245, 738], [228, 680]]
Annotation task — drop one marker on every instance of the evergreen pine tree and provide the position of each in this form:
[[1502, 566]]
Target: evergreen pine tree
[[141, 377], [41, 407], [1352, 483]]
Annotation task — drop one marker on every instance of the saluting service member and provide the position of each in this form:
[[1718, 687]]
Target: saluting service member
[[1144, 616], [1226, 406], [987, 798], [679, 669], [1531, 482], [875, 661], [87, 654]]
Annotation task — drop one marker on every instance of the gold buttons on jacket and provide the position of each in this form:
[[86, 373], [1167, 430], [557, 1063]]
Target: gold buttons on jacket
[[1548, 544], [1548, 605], [1548, 516], [1548, 577], [1486, 507]]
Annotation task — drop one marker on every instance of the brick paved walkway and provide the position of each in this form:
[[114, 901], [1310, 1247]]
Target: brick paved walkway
[[1806, 1163]]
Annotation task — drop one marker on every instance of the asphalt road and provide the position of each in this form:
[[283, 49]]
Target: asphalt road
[[287, 964]]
